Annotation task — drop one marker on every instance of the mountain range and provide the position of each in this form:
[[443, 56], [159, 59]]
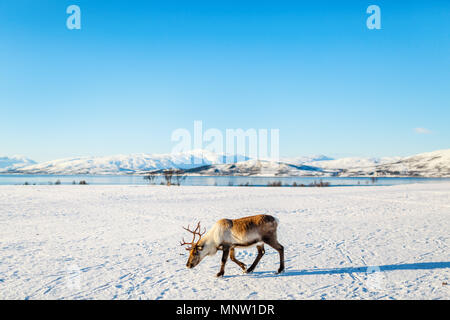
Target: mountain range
[[203, 162], [14, 162]]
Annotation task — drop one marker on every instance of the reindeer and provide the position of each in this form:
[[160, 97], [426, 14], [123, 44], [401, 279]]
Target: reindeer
[[227, 234]]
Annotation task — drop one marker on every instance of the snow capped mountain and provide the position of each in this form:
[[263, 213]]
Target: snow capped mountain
[[257, 168], [432, 164], [429, 164], [305, 159], [14, 162], [351, 163], [124, 164], [202, 162]]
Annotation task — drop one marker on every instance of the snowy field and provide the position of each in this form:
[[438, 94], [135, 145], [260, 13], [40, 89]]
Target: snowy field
[[122, 242]]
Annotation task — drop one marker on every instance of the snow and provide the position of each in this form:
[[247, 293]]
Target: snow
[[304, 159], [14, 162], [353, 162], [433, 164], [262, 168], [124, 164], [121, 242]]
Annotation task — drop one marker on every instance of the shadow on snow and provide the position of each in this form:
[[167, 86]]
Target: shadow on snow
[[365, 269]]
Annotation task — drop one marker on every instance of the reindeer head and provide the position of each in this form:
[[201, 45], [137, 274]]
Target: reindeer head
[[196, 248]]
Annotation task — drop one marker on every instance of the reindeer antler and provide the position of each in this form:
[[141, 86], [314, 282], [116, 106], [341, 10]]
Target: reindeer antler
[[196, 232]]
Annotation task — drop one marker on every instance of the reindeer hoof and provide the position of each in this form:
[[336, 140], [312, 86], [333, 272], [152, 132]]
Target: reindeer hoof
[[220, 274], [279, 271], [248, 271]]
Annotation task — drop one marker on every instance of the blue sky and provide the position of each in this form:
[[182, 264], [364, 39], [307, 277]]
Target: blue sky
[[137, 70]]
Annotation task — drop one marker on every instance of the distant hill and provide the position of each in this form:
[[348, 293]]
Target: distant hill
[[14, 162], [305, 159], [123, 164], [202, 162], [258, 168], [430, 164]]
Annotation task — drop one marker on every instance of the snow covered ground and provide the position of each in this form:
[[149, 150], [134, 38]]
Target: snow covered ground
[[121, 242]]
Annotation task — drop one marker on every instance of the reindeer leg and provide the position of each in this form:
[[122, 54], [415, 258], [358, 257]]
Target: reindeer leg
[[233, 258], [226, 251], [258, 257], [277, 246]]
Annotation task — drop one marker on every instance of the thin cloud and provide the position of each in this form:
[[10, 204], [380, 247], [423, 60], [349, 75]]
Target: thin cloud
[[422, 131]]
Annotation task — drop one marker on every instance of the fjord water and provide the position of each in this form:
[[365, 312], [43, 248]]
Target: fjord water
[[210, 180]]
